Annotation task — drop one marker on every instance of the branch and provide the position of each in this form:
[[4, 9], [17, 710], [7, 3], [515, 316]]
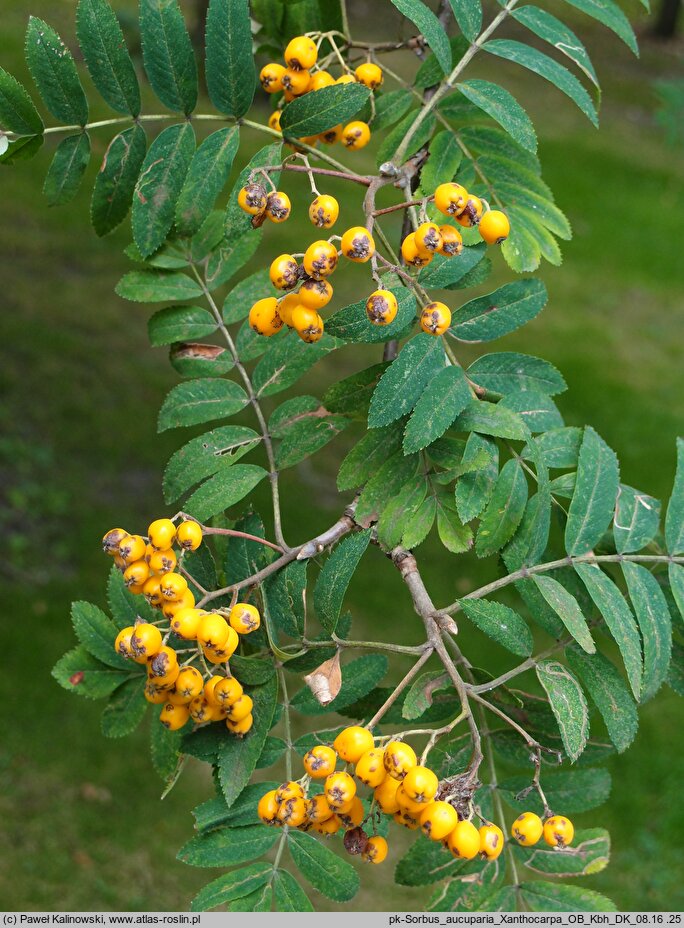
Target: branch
[[399, 688]]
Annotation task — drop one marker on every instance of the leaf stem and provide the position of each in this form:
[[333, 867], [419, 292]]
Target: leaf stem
[[399, 688]]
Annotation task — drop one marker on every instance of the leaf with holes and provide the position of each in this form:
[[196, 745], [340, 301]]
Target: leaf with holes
[[104, 49], [568, 703]]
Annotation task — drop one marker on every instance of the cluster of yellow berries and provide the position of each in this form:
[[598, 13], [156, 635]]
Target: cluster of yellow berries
[[403, 789], [300, 76], [148, 566], [309, 289]]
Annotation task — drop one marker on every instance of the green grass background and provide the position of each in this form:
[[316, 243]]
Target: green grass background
[[81, 824]]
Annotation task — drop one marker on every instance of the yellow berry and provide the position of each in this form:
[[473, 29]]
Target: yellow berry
[[339, 789], [381, 307], [112, 540], [271, 77], [406, 819], [244, 618], [494, 227], [267, 809], [491, 841], [301, 53], [146, 641], [172, 586], [464, 841], [241, 708], [307, 323], [227, 691], [264, 318], [351, 743], [332, 135], [132, 548], [252, 199], [386, 795], [411, 254], [284, 272], [438, 820], [354, 815], [399, 758], [318, 809], [162, 534], [122, 644], [376, 850], [472, 212], [210, 687], [329, 826], [320, 761], [558, 831], [370, 768], [189, 683], [321, 79], [527, 829], [315, 294], [435, 318], [242, 727], [185, 601], [278, 206], [163, 562], [421, 784], [213, 631], [323, 211], [292, 812], [285, 306], [174, 717], [156, 695], [186, 622], [136, 574], [357, 244], [163, 667], [274, 121], [151, 591], [409, 804], [296, 82], [428, 238], [452, 241], [369, 74], [320, 259], [189, 535], [451, 199], [356, 135], [217, 655], [346, 79], [200, 710], [288, 790]]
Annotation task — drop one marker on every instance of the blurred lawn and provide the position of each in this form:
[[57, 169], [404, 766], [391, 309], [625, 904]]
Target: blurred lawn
[[81, 826]]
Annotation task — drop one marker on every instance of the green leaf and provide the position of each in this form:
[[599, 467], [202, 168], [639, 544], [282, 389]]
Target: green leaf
[[22, 149], [674, 518], [359, 677], [106, 55], [116, 179], [237, 222], [230, 73], [253, 670], [636, 521], [352, 395], [125, 709], [509, 371], [447, 273], [454, 535], [168, 56], [18, 113], [237, 757], [53, 69], [223, 490], [589, 855], [335, 577], [542, 896], [676, 575], [558, 447], [287, 359], [497, 314], [403, 382], [619, 619], [501, 623], [272, 752], [655, 624], [227, 259], [194, 359], [572, 791], [474, 490], [504, 510], [164, 750], [567, 609], [418, 136], [491, 419], [306, 437], [261, 900], [159, 186], [289, 895], [386, 483], [610, 14], [125, 606], [81, 673], [445, 156], [552, 30], [426, 862], [468, 15], [596, 490], [208, 173], [228, 846], [419, 696], [568, 703], [179, 323], [443, 399], [239, 301], [230, 886], [353, 325], [97, 633], [199, 401], [364, 459], [325, 870], [538, 411], [430, 73], [214, 812], [608, 690], [400, 510], [286, 595], [390, 107], [313, 113], [545, 67], [67, 169], [432, 30], [502, 107]]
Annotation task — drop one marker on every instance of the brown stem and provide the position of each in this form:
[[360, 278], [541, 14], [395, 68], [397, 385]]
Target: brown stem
[[399, 688]]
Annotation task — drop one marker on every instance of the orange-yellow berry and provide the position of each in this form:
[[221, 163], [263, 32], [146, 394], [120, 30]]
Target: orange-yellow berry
[[264, 317], [346, 79], [438, 820], [132, 548], [452, 241], [356, 135], [244, 618], [242, 727], [323, 211], [406, 819], [351, 743], [172, 586], [170, 608], [329, 826], [451, 199], [315, 294], [428, 238], [320, 259], [174, 717], [189, 683], [122, 644], [213, 631], [112, 540], [285, 306], [386, 795], [241, 708], [527, 829], [289, 790], [267, 809], [146, 641], [370, 768], [186, 622], [399, 758], [412, 255], [375, 851], [381, 307], [420, 784], [353, 813], [163, 562], [151, 591], [136, 575], [357, 244], [163, 666], [162, 534], [307, 323], [278, 206], [409, 804], [472, 212], [332, 135], [296, 82], [464, 841], [274, 121], [339, 790], [558, 831], [491, 841], [435, 318], [494, 227], [189, 535], [369, 74], [301, 53], [228, 691], [252, 199], [320, 761], [284, 272], [318, 809], [321, 79], [271, 77]]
